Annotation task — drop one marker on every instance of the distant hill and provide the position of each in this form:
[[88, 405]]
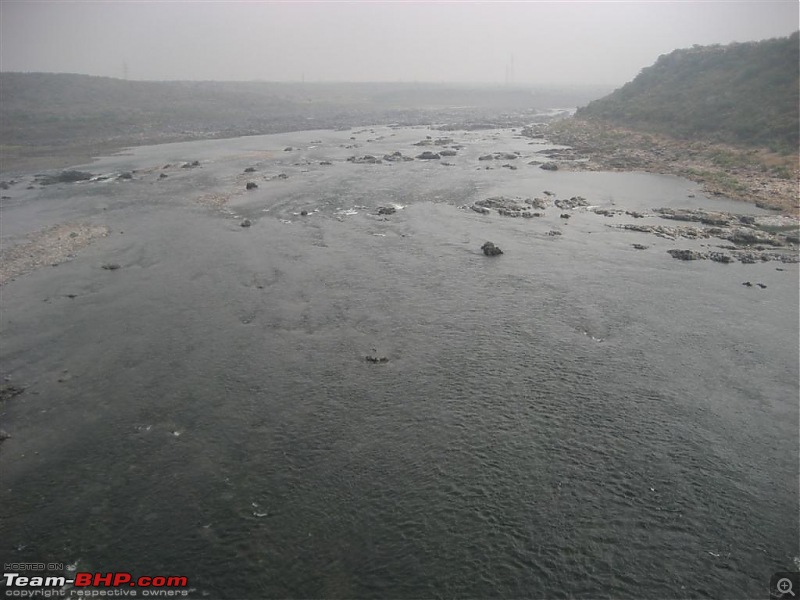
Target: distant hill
[[740, 93], [47, 115]]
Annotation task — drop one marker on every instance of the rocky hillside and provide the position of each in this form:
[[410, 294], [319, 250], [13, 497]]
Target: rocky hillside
[[739, 93]]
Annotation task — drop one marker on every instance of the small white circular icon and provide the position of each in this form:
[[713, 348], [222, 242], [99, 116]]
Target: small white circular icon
[[785, 586]]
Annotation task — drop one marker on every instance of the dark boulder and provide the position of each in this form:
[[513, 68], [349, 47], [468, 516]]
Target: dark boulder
[[250, 170], [387, 210], [489, 249], [251, 185], [428, 155], [549, 166], [376, 359], [246, 223]]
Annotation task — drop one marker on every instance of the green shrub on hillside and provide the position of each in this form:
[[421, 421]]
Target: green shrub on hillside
[[740, 93]]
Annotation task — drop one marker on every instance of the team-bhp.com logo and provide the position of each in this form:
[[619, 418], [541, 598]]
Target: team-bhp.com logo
[[94, 585]]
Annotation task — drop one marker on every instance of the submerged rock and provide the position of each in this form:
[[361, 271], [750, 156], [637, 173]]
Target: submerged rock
[[549, 166], [428, 155], [246, 223], [387, 210]]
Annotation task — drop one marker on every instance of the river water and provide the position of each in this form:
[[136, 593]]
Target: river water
[[574, 418]]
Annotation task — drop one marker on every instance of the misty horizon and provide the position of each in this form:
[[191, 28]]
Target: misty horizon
[[507, 44]]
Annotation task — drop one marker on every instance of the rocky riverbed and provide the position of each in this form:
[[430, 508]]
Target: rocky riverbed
[[382, 364], [760, 177]]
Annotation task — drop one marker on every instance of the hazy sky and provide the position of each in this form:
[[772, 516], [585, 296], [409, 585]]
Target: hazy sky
[[550, 42]]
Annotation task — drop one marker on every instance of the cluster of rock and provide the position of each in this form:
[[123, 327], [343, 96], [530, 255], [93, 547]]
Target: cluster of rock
[[429, 141], [367, 159], [396, 156], [612, 212], [569, 204], [744, 257], [695, 255], [376, 359], [500, 156], [667, 232], [508, 207]]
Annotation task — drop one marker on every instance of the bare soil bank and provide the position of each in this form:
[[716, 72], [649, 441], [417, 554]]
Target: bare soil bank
[[753, 175]]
